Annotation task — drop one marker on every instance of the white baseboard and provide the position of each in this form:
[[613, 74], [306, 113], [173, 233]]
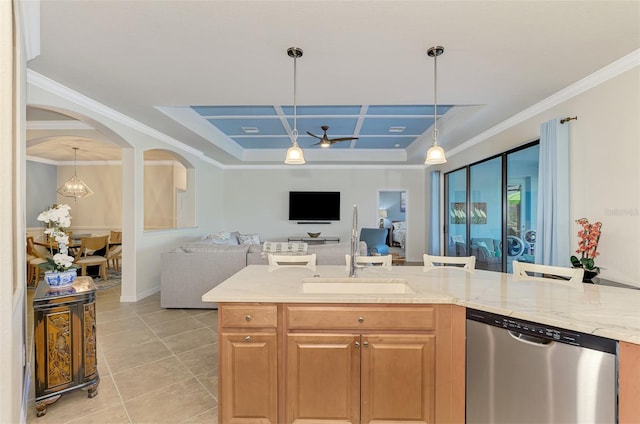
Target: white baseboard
[[140, 296]]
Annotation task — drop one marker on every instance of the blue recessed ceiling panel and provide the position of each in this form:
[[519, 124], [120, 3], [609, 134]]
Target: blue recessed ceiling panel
[[263, 142], [264, 126], [233, 127], [235, 110], [322, 110], [338, 127], [384, 142], [382, 126]]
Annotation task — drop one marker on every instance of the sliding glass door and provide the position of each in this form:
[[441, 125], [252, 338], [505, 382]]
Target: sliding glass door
[[456, 226], [491, 209], [522, 204], [486, 214]]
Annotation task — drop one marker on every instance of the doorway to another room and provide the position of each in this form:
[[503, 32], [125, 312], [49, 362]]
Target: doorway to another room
[[392, 215]]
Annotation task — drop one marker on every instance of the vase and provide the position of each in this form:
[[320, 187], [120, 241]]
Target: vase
[[60, 278], [589, 276]]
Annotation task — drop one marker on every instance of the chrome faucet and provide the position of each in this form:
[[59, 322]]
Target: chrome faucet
[[354, 243]]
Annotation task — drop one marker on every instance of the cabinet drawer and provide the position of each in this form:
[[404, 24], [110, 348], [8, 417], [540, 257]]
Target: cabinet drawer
[[360, 318], [248, 316]]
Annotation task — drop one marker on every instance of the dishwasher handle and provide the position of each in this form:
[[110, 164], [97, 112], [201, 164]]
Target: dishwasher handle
[[533, 340]]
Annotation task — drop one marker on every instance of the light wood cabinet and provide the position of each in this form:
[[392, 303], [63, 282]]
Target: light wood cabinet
[[65, 341], [365, 364], [629, 383], [248, 373], [360, 378], [398, 378], [323, 378], [341, 363]]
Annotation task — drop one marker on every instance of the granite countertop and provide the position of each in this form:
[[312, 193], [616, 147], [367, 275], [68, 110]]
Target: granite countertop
[[610, 312]]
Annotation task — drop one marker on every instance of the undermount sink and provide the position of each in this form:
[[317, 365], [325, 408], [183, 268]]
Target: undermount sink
[[356, 285]]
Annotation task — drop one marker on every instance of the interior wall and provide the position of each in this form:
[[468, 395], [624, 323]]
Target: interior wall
[[103, 209], [256, 201], [604, 173], [41, 190]]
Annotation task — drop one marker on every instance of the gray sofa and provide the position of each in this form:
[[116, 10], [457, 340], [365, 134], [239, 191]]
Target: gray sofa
[[193, 269]]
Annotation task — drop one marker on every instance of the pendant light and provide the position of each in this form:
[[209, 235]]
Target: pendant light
[[75, 187], [294, 153], [435, 154]]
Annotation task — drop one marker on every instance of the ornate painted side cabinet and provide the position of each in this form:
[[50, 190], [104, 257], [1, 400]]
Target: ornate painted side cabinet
[[65, 341]]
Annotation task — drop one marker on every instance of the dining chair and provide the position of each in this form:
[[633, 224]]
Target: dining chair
[[113, 255], [284, 261], [465, 262], [85, 258], [35, 257], [521, 271], [114, 252], [382, 261]]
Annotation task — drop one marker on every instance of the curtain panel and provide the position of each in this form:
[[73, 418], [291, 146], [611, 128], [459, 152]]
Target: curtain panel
[[553, 227]]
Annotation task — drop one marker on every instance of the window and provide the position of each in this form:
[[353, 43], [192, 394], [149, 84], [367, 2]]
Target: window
[[492, 207]]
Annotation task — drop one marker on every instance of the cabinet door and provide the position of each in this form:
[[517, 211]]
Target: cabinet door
[[323, 378], [398, 378], [56, 343], [248, 378]]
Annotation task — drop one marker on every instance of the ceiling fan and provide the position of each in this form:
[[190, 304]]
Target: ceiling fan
[[326, 141]]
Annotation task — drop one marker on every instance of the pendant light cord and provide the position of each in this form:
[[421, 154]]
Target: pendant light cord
[[295, 114], [435, 98]]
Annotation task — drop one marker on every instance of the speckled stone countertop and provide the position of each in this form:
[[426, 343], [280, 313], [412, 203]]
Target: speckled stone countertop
[[610, 312]]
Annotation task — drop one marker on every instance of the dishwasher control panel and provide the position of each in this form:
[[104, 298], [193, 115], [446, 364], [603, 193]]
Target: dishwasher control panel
[[543, 331]]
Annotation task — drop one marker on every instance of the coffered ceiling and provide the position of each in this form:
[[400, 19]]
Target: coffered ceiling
[[215, 76]]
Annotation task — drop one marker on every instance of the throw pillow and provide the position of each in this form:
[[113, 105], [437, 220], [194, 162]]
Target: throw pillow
[[282, 248], [249, 238], [222, 237]]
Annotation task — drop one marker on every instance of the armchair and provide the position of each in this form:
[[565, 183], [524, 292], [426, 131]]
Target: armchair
[[376, 239]]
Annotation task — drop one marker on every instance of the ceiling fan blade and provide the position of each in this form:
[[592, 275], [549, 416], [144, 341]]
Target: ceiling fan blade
[[313, 135], [335, 140]]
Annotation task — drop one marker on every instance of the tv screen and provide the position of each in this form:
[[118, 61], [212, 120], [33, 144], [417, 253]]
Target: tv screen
[[314, 205]]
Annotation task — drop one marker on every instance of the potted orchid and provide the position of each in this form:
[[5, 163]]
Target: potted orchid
[[59, 267], [589, 236]]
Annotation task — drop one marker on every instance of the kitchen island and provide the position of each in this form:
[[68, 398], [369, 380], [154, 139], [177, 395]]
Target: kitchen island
[[282, 332]]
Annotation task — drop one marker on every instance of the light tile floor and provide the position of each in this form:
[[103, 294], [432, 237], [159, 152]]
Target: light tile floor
[[156, 366]]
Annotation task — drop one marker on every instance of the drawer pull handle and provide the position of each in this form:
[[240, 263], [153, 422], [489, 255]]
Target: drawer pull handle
[[366, 344], [357, 344], [248, 317], [361, 320], [247, 339]]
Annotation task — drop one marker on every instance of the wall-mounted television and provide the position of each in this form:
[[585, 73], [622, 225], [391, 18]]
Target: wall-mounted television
[[314, 205]]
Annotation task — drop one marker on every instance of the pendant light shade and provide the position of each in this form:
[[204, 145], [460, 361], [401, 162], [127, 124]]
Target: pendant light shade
[[435, 154], [75, 187], [294, 153]]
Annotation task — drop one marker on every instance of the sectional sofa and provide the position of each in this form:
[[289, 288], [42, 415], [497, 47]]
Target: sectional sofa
[[194, 268]]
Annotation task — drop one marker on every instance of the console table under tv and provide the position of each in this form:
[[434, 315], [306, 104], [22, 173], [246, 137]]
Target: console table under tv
[[313, 240]]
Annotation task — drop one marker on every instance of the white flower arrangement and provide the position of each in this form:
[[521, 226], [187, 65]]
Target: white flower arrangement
[[57, 219]]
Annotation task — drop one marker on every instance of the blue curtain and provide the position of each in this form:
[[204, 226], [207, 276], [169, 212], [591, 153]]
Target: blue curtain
[[434, 234], [553, 228]]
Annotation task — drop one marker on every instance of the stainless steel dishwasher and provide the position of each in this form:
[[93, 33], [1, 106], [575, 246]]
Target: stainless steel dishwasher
[[523, 372]]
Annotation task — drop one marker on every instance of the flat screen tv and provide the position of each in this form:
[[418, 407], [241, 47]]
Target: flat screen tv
[[314, 205]]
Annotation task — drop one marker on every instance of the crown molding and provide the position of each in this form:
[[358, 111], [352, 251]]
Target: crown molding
[[73, 96], [308, 166], [72, 163], [602, 75], [58, 125]]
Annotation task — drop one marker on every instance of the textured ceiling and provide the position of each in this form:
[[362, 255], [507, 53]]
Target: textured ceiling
[[154, 61]]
